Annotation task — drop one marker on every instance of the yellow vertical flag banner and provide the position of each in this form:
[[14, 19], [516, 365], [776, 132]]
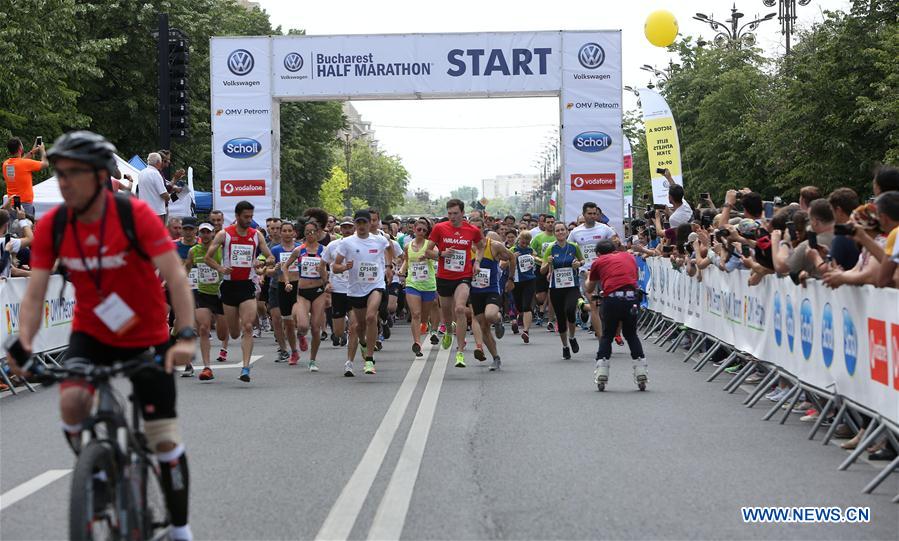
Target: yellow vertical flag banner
[[662, 144]]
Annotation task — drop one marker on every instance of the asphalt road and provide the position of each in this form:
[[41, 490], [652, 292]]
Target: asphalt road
[[423, 450]]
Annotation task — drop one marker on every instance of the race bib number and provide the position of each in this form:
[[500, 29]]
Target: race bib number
[[296, 262], [546, 245], [421, 271], [115, 314], [367, 272], [241, 256], [589, 251], [526, 263], [481, 279], [208, 275], [194, 277], [310, 267], [564, 277], [454, 260]]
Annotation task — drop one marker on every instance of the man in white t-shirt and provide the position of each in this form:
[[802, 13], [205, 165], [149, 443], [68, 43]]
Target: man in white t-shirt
[[338, 286], [586, 236], [681, 212], [151, 186], [364, 257]]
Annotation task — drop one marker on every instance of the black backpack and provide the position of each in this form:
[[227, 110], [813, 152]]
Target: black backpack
[[126, 219]]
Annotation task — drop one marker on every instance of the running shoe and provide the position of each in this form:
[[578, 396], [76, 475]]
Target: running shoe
[[256, 332], [525, 337], [447, 340], [282, 356], [391, 320], [479, 353], [304, 344], [379, 345], [266, 325], [499, 329], [566, 353], [386, 333], [324, 335], [514, 326], [434, 339], [442, 328], [734, 368], [369, 367], [312, 366], [810, 415], [335, 340], [460, 359], [754, 378], [206, 374], [223, 356], [574, 345], [188, 371], [348, 369], [619, 340], [550, 327], [423, 328], [244, 374], [343, 341], [416, 348], [496, 364], [294, 358]]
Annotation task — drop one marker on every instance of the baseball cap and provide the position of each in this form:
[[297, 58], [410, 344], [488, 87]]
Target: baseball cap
[[204, 226], [362, 215], [188, 221]]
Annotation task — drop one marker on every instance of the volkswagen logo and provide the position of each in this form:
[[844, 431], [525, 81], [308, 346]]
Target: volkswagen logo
[[241, 62], [591, 56], [293, 62]]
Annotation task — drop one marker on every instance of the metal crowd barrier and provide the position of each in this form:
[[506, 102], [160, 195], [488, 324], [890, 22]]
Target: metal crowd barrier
[[667, 330]]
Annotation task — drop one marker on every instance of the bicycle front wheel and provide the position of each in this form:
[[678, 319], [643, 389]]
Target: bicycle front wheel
[[97, 502]]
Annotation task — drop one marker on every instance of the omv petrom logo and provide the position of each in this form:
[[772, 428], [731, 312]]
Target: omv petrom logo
[[591, 56], [827, 335], [806, 328], [241, 62], [850, 343]]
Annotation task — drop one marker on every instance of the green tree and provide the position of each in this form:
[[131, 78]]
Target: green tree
[[331, 194], [376, 177], [466, 193]]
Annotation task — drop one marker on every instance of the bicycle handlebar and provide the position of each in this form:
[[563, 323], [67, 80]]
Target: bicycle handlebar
[[80, 368]]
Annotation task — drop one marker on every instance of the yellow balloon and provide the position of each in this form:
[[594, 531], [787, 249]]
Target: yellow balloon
[[660, 28]]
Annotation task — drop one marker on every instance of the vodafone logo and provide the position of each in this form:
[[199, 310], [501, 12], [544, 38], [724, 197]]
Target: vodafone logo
[[593, 181], [235, 188]]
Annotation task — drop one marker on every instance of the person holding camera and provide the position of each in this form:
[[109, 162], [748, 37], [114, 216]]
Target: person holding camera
[[18, 169]]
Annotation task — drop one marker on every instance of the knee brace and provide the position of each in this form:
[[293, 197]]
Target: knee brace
[[161, 431]]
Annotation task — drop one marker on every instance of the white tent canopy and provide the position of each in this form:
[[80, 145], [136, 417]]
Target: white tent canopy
[[47, 195]]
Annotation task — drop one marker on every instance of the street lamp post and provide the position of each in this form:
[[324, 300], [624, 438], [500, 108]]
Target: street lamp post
[[786, 14], [348, 152], [730, 32]]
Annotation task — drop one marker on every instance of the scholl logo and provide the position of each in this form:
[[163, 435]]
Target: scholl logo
[[241, 62], [293, 62], [827, 335], [850, 342], [242, 148], [790, 323], [806, 328], [778, 319], [591, 56], [592, 141]]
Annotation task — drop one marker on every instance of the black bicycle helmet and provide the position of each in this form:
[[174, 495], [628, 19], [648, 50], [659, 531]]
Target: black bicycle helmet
[[85, 146]]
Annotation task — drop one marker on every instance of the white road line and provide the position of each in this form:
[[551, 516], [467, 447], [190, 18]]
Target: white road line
[[391, 515], [343, 514], [30, 487]]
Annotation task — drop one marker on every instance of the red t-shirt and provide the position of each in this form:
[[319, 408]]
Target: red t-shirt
[[462, 239], [124, 272], [614, 271]]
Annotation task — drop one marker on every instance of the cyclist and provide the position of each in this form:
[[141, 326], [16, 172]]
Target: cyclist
[[241, 243], [114, 320]]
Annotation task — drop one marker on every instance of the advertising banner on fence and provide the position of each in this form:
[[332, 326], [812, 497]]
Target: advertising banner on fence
[[661, 143], [251, 75], [844, 339], [628, 177], [56, 314]]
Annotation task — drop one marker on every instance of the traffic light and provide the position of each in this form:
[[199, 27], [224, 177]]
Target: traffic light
[[178, 101]]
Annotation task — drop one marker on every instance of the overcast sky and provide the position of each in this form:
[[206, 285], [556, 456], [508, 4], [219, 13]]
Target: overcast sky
[[450, 143]]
